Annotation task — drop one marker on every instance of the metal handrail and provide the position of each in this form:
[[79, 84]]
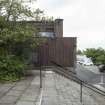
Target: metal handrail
[[82, 83]]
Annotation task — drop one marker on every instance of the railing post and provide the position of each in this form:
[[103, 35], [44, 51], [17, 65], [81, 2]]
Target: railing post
[[40, 76], [81, 92], [40, 66]]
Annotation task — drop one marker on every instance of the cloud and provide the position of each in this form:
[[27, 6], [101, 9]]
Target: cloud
[[55, 4], [55, 7], [84, 19]]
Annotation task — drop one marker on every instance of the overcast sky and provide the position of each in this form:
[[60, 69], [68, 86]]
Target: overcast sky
[[84, 19]]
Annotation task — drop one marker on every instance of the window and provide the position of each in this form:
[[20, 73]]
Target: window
[[46, 34]]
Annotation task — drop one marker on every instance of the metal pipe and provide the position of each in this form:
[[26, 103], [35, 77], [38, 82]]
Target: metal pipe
[[40, 66], [84, 83], [81, 92], [40, 76]]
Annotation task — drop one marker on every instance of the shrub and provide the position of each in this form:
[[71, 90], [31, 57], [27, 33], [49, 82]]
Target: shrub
[[11, 68], [102, 68]]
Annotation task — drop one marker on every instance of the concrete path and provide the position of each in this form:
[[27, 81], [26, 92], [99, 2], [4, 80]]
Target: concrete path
[[58, 90], [24, 92]]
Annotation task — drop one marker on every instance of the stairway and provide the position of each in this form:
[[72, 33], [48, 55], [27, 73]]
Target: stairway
[[59, 90]]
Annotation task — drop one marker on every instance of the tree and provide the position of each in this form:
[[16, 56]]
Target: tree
[[97, 55], [14, 10], [11, 31], [39, 14], [16, 39], [79, 52]]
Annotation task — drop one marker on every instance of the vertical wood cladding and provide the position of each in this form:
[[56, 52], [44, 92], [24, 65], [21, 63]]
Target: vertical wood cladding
[[55, 26], [60, 50]]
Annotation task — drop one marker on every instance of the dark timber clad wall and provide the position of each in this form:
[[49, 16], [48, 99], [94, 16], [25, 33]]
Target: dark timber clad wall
[[60, 50], [49, 26]]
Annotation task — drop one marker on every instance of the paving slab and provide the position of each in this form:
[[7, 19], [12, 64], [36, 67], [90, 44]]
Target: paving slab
[[58, 90], [14, 93], [24, 92], [25, 103], [8, 99]]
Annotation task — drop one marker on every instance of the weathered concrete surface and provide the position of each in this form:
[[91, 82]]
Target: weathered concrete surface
[[24, 92], [58, 90]]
